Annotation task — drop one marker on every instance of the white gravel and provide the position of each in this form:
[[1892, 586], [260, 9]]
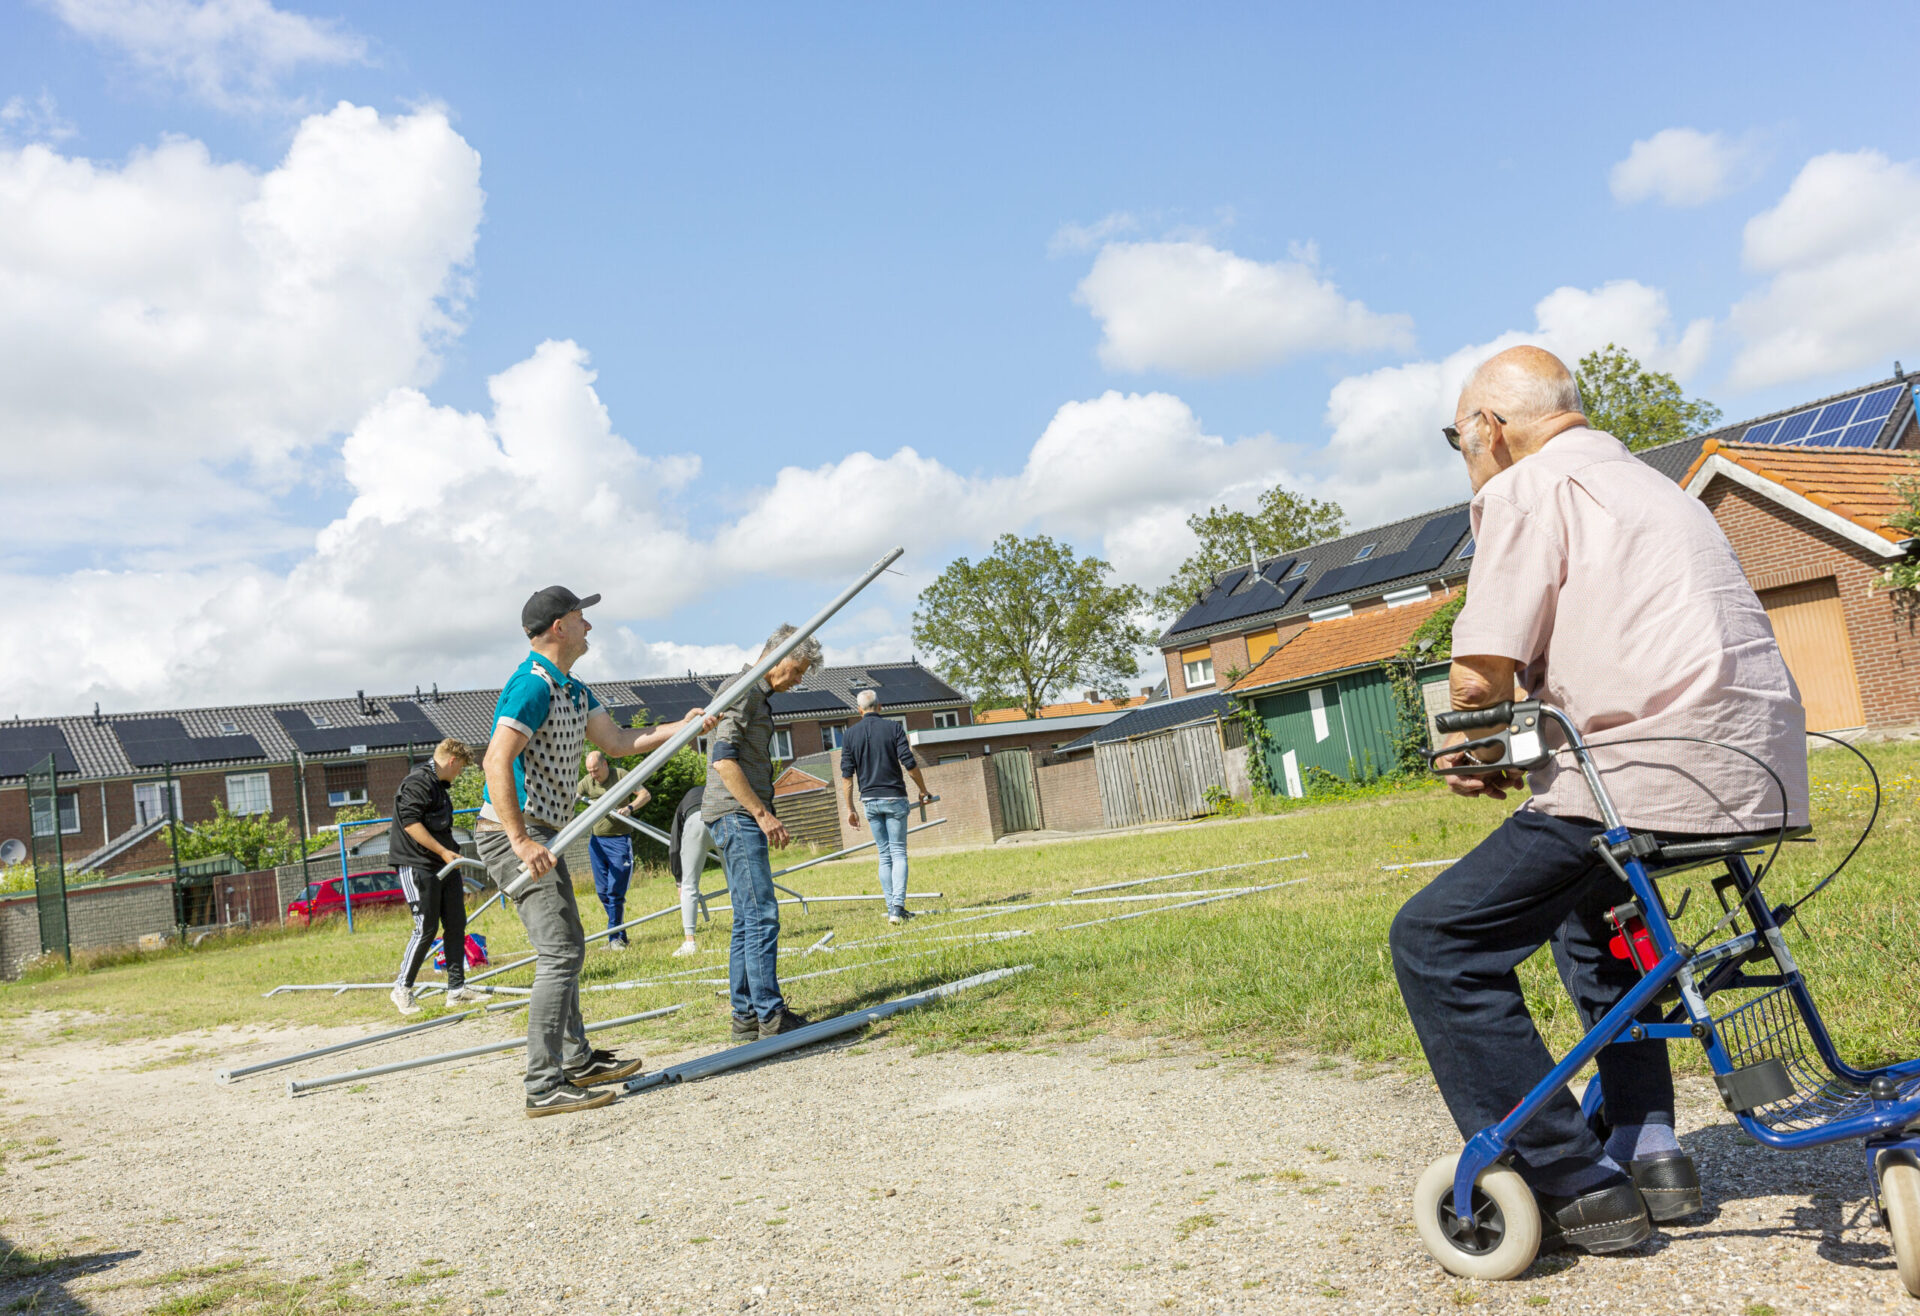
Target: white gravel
[[1109, 1177]]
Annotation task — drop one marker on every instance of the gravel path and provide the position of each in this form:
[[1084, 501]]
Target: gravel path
[[1107, 1177]]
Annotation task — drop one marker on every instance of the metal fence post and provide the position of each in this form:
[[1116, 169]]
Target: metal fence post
[[173, 841], [346, 881]]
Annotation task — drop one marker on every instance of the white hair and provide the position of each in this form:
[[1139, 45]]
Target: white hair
[[807, 651], [868, 700]]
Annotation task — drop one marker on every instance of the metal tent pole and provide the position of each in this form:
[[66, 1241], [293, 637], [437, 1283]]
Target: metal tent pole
[[229, 1075], [295, 1086], [1185, 904], [583, 822], [827, 1029], [1192, 872]]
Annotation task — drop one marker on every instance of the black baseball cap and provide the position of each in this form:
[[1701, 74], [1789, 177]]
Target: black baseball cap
[[549, 605]]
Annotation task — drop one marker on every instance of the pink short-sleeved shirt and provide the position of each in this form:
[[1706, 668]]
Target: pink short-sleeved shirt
[[1625, 607]]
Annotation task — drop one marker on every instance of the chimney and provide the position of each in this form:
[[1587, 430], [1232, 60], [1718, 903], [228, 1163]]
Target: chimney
[[364, 710], [96, 712], [1146, 693], [1093, 696], [436, 692]]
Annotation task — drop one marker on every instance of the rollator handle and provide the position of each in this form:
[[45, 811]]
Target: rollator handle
[[1471, 719], [1517, 727]]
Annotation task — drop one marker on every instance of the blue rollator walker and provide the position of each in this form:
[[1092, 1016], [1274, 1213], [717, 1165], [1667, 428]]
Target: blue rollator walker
[[1771, 1056]]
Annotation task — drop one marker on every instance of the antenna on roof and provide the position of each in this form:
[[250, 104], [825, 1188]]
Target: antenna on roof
[[436, 692]]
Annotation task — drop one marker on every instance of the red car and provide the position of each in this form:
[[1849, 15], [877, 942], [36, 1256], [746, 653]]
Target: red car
[[372, 890]]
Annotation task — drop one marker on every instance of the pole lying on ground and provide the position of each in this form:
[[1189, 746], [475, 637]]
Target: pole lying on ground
[[295, 1086], [583, 823], [1195, 872], [821, 900], [766, 1048], [1424, 863], [820, 944], [852, 849], [591, 936], [229, 1075], [1185, 904]]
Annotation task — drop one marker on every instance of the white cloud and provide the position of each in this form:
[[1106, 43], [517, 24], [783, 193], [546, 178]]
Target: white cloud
[[1193, 308], [229, 53], [36, 120], [1085, 237], [1841, 251], [179, 335], [1386, 457], [1682, 167]]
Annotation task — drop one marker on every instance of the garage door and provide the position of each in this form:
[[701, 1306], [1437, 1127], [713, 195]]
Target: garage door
[[1812, 630]]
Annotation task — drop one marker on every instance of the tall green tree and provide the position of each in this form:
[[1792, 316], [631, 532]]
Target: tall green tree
[[1284, 520], [1639, 407], [1031, 618]]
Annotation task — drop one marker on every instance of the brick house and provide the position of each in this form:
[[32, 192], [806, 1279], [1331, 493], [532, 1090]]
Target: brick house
[[306, 762]]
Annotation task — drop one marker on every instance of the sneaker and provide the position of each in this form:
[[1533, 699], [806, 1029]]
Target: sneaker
[[904, 913], [603, 1067], [565, 1099], [463, 995], [1609, 1219], [687, 947], [746, 1028], [783, 1021], [402, 998], [1668, 1183], [616, 943], [895, 916]]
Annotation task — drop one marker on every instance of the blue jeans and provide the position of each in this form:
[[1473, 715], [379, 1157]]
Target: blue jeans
[[755, 944], [888, 818], [612, 859]]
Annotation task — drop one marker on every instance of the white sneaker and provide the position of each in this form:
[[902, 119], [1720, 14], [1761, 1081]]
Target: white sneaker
[[688, 947], [895, 918], [402, 998], [464, 996]]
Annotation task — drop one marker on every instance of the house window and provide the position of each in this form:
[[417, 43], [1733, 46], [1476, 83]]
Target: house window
[[150, 802], [319, 720], [953, 758], [781, 746], [1365, 553], [894, 718], [69, 814], [1414, 594], [346, 784], [229, 728], [831, 734], [249, 792], [1262, 643], [1300, 570], [1335, 613], [1468, 550], [947, 719], [1197, 664]]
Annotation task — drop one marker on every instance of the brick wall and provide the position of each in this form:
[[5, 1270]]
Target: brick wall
[[101, 914], [1778, 547], [1037, 737], [1070, 795]]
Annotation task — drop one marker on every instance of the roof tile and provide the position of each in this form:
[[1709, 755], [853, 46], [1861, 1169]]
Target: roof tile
[[1856, 483], [1333, 646]]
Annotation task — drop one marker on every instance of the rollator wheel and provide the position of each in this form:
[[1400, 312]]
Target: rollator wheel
[[1504, 1237], [1900, 1192]]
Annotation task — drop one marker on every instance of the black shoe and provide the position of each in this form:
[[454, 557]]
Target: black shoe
[[783, 1021], [564, 1100], [745, 1028], [1669, 1184], [604, 1067], [1608, 1219]]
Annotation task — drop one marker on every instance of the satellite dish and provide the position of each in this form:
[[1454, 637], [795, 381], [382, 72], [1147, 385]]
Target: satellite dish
[[13, 851]]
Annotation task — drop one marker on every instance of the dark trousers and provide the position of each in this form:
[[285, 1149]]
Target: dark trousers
[[1456, 945], [438, 904], [612, 861]]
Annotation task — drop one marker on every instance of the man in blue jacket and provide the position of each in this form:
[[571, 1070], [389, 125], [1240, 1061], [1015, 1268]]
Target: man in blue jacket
[[872, 755]]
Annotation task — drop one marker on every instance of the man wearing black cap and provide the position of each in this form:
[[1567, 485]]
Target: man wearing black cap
[[540, 724]]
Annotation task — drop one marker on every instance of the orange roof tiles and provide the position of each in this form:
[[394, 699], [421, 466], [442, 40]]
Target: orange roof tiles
[[795, 782], [1851, 482], [1333, 646], [1079, 708]]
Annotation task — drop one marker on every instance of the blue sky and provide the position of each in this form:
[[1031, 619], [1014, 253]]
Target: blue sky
[[786, 236]]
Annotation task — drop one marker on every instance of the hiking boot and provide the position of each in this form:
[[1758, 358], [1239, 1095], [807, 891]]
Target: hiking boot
[[402, 998], [687, 947], [783, 1021], [1668, 1183], [745, 1028], [463, 995], [565, 1099], [1609, 1219], [603, 1067]]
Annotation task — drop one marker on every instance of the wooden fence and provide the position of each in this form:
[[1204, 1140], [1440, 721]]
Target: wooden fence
[[1160, 777]]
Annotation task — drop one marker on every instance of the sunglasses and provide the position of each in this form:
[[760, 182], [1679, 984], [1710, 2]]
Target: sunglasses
[[1453, 431]]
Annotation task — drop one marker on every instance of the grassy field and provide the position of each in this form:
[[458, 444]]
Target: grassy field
[[1300, 968]]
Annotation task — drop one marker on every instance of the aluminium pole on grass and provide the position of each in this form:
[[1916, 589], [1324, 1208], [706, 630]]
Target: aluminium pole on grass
[[583, 822], [241, 1071]]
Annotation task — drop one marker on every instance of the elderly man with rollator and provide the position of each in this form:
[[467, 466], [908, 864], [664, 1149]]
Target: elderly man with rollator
[[1600, 587], [542, 720]]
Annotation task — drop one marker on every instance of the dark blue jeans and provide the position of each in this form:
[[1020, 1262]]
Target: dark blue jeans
[[612, 860], [752, 954], [1456, 946]]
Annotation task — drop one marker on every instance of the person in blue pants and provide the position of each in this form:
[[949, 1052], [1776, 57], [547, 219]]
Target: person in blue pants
[[610, 848], [872, 757]]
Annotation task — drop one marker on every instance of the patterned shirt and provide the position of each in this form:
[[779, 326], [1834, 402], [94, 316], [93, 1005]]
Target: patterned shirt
[[550, 709], [1625, 607]]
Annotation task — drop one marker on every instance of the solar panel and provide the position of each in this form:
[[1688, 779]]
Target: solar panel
[[668, 701], [1849, 423], [1835, 415], [1434, 542], [912, 685], [1877, 406], [1337, 581], [412, 727], [787, 702], [1761, 433], [1794, 428], [154, 742], [24, 748], [1862, 436], [1277, 570], [1215, 607], [1262, 596]]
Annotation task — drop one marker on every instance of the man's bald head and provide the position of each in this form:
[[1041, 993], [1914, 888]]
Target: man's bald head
[[1523, 384]]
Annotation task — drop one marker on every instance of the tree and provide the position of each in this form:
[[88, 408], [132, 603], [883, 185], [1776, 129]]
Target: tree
[[1284, 520], [1639, 407], [1029, 619], [256, 840]]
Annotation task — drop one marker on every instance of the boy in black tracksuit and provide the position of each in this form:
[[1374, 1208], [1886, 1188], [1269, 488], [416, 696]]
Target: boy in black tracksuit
[[421, 844]]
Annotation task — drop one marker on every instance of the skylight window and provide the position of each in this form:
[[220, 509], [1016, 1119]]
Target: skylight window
[[229, 728], [1365, 553], [1467, 552], [319, 720], [1300, 571]]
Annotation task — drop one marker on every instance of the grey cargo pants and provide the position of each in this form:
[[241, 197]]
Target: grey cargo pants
[[556, 1034]]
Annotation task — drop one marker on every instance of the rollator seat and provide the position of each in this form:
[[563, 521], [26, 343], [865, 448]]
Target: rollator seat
[[1716, 847]]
